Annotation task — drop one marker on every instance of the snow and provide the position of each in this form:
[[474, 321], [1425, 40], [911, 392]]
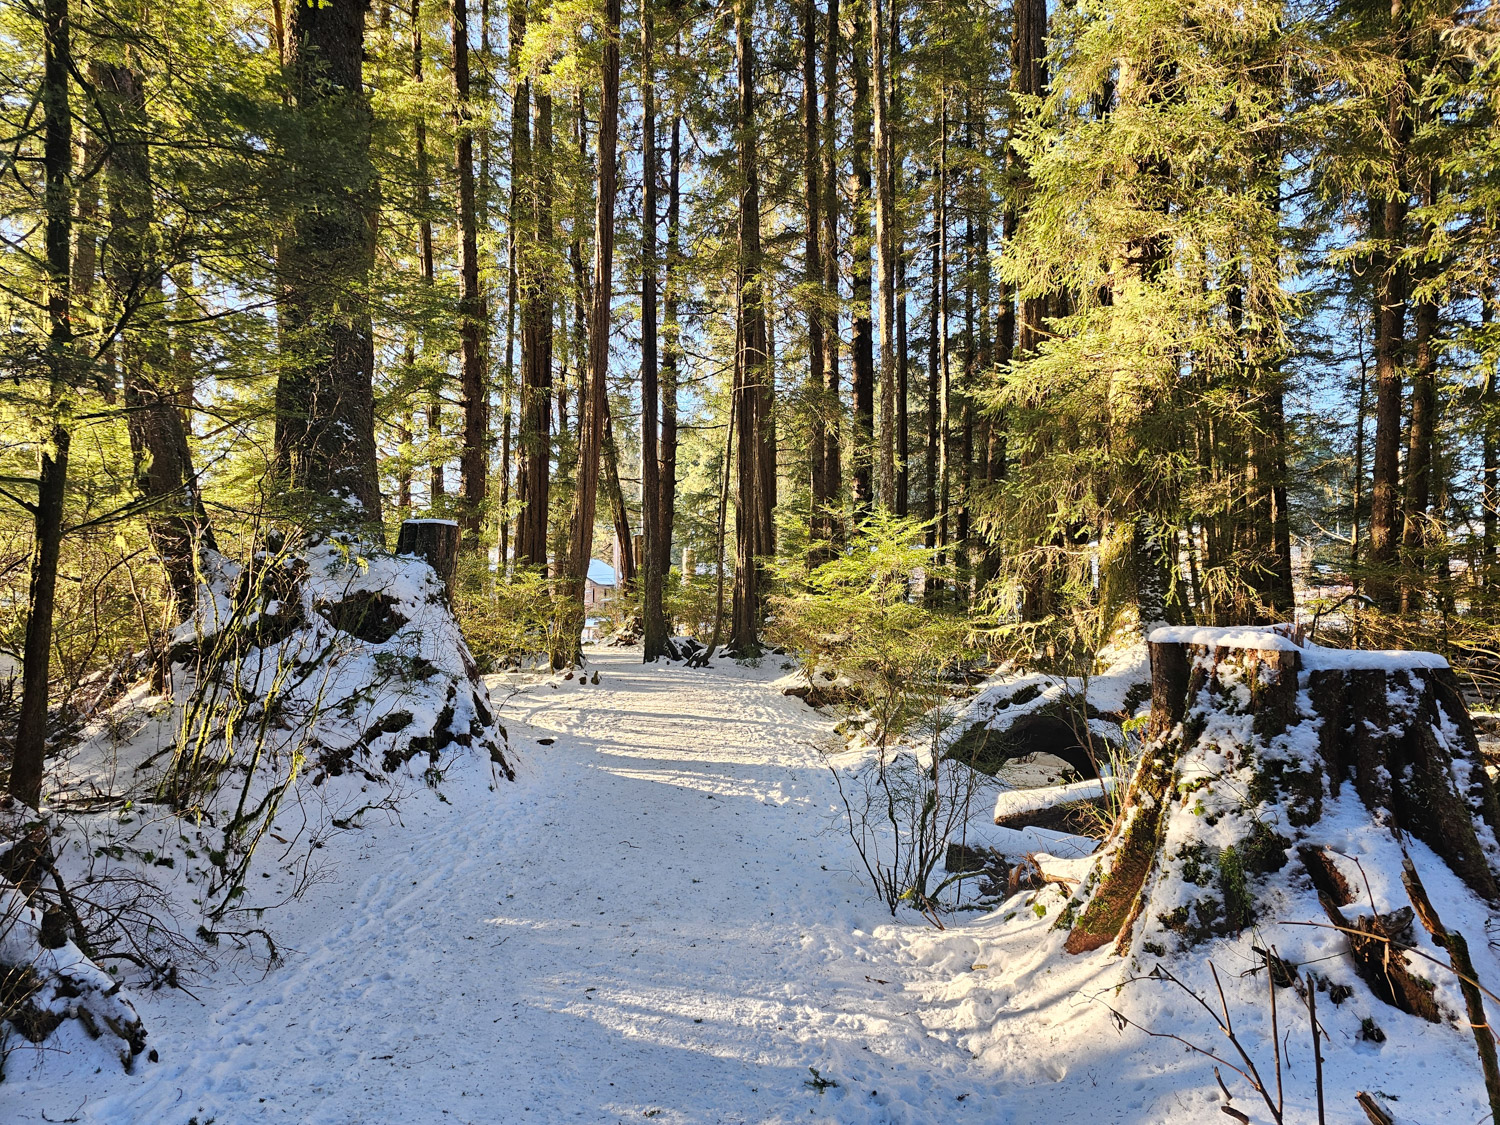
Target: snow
[[1267, 638], [601, 573], [1317, 659], [663, 919], [1017, 802], [1273, 638]]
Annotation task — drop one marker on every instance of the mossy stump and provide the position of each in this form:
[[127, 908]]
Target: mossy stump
[[1253, 733]]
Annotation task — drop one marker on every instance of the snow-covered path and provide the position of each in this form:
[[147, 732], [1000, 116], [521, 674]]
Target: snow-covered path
[[659, 921]]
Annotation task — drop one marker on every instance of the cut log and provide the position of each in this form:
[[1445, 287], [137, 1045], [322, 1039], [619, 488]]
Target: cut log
[[436, 541], [1079, 808]]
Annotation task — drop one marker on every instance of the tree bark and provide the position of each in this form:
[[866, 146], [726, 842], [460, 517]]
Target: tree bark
[[176, 521], [668, 482], [596, 400], [438, 542], [829, 417], [862, 450], [28, 760], [1029, 69], [816, 300], [934, 387], [536, 323], [943, 390], [1421, 437], [654, 623], [1391, 294], [436, 482], [325, 402], [885, 238], [1489, 406], [898, 254], [473, 317], [751, 367]]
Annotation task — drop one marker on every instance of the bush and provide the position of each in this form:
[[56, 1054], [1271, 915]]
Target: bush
[[507, 622], [855, 616]]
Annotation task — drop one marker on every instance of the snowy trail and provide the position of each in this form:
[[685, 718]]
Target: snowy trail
[[656, 922]]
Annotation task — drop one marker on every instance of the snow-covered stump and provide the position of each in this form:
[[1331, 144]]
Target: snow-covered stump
[[434, 541], [1264, 755], [312, 662]]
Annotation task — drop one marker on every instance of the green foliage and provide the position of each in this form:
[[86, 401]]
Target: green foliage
[[857, 616], [508, 623]]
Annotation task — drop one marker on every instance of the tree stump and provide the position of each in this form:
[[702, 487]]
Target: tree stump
[[437, 542], [1254, 738]]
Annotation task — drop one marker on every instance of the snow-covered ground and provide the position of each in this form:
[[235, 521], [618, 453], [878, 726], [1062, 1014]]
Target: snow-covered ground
[[660, 920], [663, 919]]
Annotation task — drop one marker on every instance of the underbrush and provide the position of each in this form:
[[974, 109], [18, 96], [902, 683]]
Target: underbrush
[[509, 622]]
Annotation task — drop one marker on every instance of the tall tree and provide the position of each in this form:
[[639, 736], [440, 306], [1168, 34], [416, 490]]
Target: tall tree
[[1029, 79], [1390, 332], [532, 153], [596, 394], [1422, 430], [163, 465], [667, 484], [815, 300], [473, 316], [885, 240], [862, 342], [325, 403], [438, 485], [752, 370], [827, 475], [28, 758], [654, 639]]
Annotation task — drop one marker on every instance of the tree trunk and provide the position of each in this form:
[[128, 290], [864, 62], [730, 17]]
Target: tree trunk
[[1421, 433], [1390, 339], [596, 400], [325, 402], [668, 482], [473, 316], [438, 542], [966, 388], [436, 482], [28, 760], [862, 449], [1489, 421], [817, 300], [943, 391], [885, 238], [934, 388], [751, 366], [1029, 70], [536, 322], [629, 573], [508, 383], [654, 623], [898, 252], [827, 426], [176, 521]]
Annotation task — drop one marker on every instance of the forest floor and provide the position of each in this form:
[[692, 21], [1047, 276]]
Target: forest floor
[[663, 918]]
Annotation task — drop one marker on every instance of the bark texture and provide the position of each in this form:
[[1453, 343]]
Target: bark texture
[[325, 405]]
